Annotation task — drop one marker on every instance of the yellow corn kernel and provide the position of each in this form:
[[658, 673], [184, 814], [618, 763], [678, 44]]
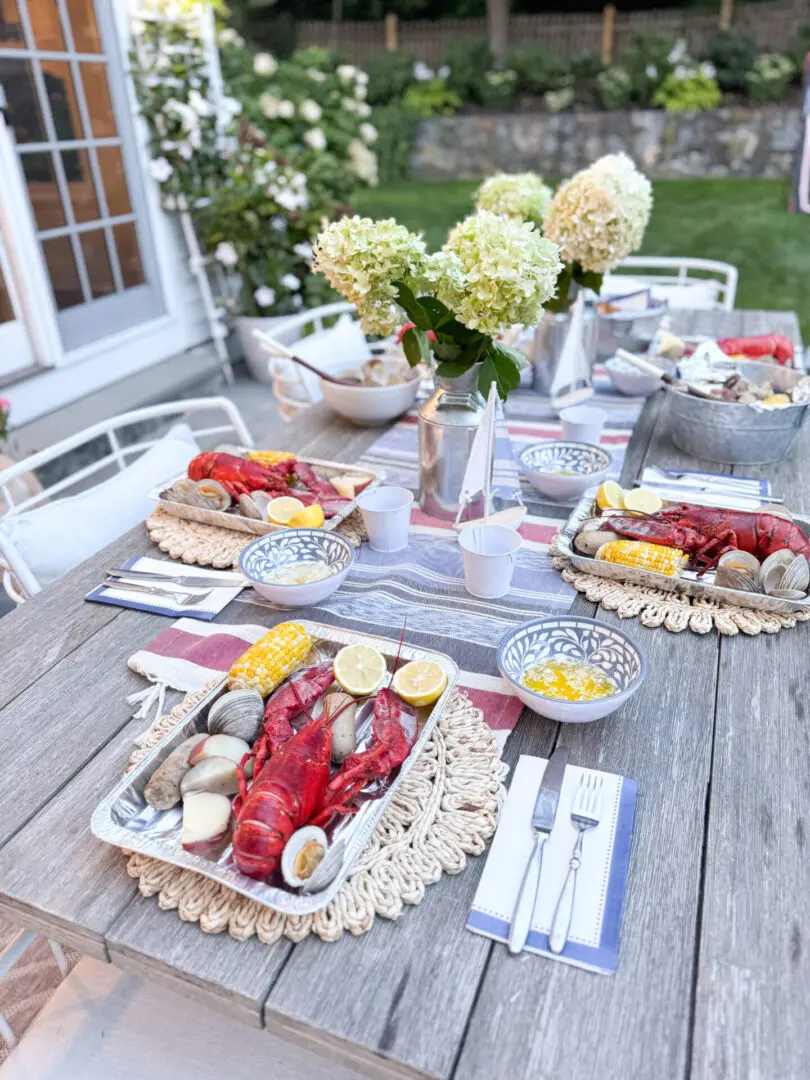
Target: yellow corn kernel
[[643, 556], [269, 457], [268, 663]]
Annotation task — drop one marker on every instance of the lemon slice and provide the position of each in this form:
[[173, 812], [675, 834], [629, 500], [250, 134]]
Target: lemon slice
[[421, 682], [280, 510], [642, 500], [610, 496], [360, 669], [311, 517]]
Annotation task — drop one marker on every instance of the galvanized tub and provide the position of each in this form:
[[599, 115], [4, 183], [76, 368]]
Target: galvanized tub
[[734, 434]]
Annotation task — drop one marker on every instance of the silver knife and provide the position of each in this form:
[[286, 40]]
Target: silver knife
[[545, 810], [189, 581]]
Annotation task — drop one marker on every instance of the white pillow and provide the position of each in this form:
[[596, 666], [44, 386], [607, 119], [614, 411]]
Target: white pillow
[[55, 538], [342, 347], [700, 295]]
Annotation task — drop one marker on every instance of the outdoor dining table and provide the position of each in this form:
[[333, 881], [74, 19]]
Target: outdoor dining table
[[713, 978]]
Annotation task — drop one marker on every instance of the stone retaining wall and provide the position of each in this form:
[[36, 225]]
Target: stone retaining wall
[[725, 142]]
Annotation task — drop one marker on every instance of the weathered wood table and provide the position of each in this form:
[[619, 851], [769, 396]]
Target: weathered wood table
[[713, 978]]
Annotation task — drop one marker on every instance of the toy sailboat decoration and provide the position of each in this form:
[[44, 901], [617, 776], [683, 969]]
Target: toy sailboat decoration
[[572, 379], [476, 488]]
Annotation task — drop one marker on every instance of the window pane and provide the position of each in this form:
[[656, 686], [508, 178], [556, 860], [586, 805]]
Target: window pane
[[42, 190], [11, 34], [129, 256], [44, 15], [62, 98], [83, 24], [96, 91], [23, 110], [115, 184], [62, 272], [80, 184], [6, 310], [97, 262]]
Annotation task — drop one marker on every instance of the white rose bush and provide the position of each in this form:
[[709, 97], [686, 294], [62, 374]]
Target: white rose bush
[[492, 273]]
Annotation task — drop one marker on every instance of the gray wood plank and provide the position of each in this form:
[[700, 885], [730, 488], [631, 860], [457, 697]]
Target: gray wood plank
[[405, 989], [535, 1017]]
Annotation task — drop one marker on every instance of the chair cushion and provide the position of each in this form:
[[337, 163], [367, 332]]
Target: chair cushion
[[343, 347], [55, 538], [698, 295]]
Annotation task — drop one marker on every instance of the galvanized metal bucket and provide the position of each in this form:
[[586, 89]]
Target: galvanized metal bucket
[[734, 434]]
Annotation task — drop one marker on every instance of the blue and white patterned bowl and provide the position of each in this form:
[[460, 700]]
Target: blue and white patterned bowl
[[584, 465], [581, 639], [289, 547]]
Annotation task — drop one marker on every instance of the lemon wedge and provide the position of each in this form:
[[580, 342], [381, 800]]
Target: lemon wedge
[[642, 500], [421, 682], [360, 669], [282, 509], [311, 517], [610, 496]]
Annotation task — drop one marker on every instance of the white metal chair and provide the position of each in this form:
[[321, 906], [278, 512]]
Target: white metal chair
[[291, 389], [18, 579], [669, 271]]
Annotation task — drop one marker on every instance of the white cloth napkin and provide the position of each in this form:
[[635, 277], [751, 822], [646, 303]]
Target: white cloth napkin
[[707, 488], [207, 608]]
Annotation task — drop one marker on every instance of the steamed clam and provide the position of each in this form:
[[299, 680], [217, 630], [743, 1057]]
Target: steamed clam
[[738, 570], [785, 575], [212, 495], [303, 854], [183, 491], [249, 509], [239, 713]]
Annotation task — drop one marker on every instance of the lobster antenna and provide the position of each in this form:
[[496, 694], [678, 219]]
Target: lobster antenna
[[399, 649]]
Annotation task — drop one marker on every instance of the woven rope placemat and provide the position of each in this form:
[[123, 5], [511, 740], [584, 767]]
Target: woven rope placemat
[[675, 612], [209, 545], [445, 809]]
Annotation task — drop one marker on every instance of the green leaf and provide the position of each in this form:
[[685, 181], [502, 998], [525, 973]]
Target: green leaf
[[444, 350], [412, 345], [438, 311], [413, 309], [588, 279], [448, 370], [515, 355], [559, 302], [499, 367]]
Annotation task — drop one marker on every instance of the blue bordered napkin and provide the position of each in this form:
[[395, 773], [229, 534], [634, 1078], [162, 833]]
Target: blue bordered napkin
[[716, 489], [594, 938], [207, 609]]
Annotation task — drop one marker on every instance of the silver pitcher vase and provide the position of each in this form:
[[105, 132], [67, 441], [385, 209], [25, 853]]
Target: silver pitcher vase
[[549, 340], [448, 421]]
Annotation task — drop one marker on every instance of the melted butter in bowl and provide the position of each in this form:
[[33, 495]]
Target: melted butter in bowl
[[566, 679], [303, 573]]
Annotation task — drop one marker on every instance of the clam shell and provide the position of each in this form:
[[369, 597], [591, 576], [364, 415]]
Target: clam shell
[[239, 713], [797, 575], [183, 491], [262, 500], [729, 578], [249, 509], [775, 510], [310, 834], [213, 495], [772, 579], [328, 870], [742, 561], [788, 594], [782, 558]]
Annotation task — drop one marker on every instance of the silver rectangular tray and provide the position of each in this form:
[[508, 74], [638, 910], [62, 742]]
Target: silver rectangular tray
[[689, 584], [124, 819], [223, 519]]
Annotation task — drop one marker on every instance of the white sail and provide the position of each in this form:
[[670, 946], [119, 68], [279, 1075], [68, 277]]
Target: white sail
[[573, 367], [478, 474]]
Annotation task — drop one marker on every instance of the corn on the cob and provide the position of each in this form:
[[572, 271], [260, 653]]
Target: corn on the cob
[[269, 457], [268, 663], [643, 556]]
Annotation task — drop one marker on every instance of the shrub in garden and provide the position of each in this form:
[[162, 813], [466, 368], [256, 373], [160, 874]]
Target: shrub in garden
[[614, 87], [389, 76], [586, 69], [538, 70], [396, 124], [733, 53], [648, 60], [800, 46], [689, 88], [467, 61], [432, 98], [497, 88], [770, 77]]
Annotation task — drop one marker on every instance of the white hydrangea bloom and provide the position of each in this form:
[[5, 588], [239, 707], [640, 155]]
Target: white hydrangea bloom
[[303, 251], [520, 196], [264, 296], [368, 133], [600, 215], [286, 109], [291, 282], [186, 151], [227, 109], [315, 139], [315, 75], [229, 36], [360, 91], [346, 73], [160, 170], [226, 254], [310, 111], [201, 106], [279, 223], [362, 109], [270, 105], [422, 73], [363, 161], [265, 64]]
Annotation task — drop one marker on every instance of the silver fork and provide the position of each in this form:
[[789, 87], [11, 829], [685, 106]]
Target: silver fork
[[586, 811], [182, 599]]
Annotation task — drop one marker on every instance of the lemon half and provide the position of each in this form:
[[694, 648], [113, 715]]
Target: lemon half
[[421, 682], [360, 669], [643, 500], [311, 517], [282, 509], [610, 496]]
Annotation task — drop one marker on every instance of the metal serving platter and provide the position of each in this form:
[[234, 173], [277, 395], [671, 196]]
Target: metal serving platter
[[124, 819], [688, 584], [227, 519]]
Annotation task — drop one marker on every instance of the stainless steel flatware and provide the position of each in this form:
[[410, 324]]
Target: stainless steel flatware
[[545, 810], [727, 489], [182, 599], [586, 811], [191, 581]]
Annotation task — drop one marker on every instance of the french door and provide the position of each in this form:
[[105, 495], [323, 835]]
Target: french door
[[66, 108], [15, 348]]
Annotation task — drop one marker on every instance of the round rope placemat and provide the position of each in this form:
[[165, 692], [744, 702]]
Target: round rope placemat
[[209, 545], [675, 612], [445, 809]]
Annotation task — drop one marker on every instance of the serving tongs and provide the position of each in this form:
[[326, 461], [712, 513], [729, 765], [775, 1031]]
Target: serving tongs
[[643, 364], [275, 348]]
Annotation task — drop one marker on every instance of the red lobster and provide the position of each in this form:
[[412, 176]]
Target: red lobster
[[759, 346], [239, 477], [294, 788], [707, 532]]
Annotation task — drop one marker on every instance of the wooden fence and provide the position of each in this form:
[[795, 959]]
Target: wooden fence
[[772, 24]]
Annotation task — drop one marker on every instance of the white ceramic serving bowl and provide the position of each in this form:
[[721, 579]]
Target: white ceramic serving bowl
[[584, 465], [581, 639], [371, 405], [630, 381], [289, 547]]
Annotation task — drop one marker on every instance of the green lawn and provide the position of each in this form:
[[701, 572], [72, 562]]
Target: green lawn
[[744, 222]]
